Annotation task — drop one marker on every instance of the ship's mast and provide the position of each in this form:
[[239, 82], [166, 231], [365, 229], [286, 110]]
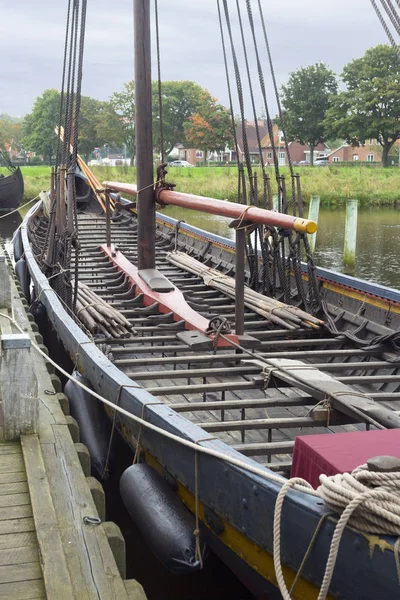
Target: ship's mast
[[144, 137]]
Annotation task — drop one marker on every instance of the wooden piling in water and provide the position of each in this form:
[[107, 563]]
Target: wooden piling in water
[[313, 213], [350, 236]]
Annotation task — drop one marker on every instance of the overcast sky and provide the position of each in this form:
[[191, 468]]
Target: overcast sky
[[301, 32]]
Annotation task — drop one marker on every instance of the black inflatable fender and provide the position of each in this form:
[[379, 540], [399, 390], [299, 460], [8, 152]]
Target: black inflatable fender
[[21, 270], [18, 248], [94, 425], [38, 310], [164, 521]]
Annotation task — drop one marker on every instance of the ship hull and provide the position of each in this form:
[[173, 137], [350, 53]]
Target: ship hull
[[11, 191]]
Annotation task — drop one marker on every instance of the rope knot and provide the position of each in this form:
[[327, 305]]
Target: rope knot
[[161, 184]]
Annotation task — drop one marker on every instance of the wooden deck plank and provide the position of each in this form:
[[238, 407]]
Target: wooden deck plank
[[22, 590], [55, 571], [17, 525], [14, 500], [18, 540], [15, 512], [13, 477], [10, 449], [21, 572], [94, 573], [12, 463], [16, 556], [14, 487]]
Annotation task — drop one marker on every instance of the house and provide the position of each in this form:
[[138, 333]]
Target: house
[[298, 152], [252, 141], [195, 156], [368, 152], [192, 155]]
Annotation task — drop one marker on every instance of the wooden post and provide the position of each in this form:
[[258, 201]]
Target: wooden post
[[313, 213], [18, 388], [275, 203], [5, 284], [350, 236]]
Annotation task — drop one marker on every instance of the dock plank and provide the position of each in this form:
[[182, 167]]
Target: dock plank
[[12, 463], [16, 556], [87, 545], [15, 512], [14, 500], [54, 565], [22, 590], [13, 487], [18, 540], [21, 572], [13, 477], [17, 525], [10, 449]]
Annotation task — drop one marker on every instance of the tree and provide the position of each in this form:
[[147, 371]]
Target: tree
[[210, 129], [123, 103], [306, 98], [180, 100], [98, 124], [10, 132], [370, 106], [39, 125]]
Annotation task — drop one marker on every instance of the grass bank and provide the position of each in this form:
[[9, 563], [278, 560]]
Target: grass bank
[[370, 185]]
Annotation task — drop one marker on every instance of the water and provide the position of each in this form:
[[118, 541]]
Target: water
[[378, 239]]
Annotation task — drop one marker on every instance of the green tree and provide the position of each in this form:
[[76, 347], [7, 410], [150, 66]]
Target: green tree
[[123, 104], [210, 129], [306, 98], [180, 100], [39, 125], [98, 124], [10, 132], [370, 106]]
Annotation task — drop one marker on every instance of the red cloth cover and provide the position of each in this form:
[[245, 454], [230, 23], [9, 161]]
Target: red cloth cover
[[340, 452]]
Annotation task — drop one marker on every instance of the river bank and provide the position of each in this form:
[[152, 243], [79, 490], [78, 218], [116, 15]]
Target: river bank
[[334, 184]]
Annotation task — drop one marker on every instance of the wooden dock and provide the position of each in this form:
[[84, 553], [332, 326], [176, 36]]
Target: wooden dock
[[54, 540]]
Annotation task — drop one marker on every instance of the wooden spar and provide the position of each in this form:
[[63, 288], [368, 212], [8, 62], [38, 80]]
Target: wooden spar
[[223, 208], [146, 240]]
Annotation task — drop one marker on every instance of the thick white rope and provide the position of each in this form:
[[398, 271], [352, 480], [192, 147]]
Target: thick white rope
[[368, 501], [380, 506]]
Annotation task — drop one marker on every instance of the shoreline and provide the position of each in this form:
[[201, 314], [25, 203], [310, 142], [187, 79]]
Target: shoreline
[[372, 186]]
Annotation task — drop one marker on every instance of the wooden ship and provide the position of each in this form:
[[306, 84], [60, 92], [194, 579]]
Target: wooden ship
[[216, 384], [11, 188]]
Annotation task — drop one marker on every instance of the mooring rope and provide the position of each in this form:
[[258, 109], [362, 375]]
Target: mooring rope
[[17, 209]]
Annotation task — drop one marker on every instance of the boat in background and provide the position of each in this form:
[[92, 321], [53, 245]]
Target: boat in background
[[11, 189]]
